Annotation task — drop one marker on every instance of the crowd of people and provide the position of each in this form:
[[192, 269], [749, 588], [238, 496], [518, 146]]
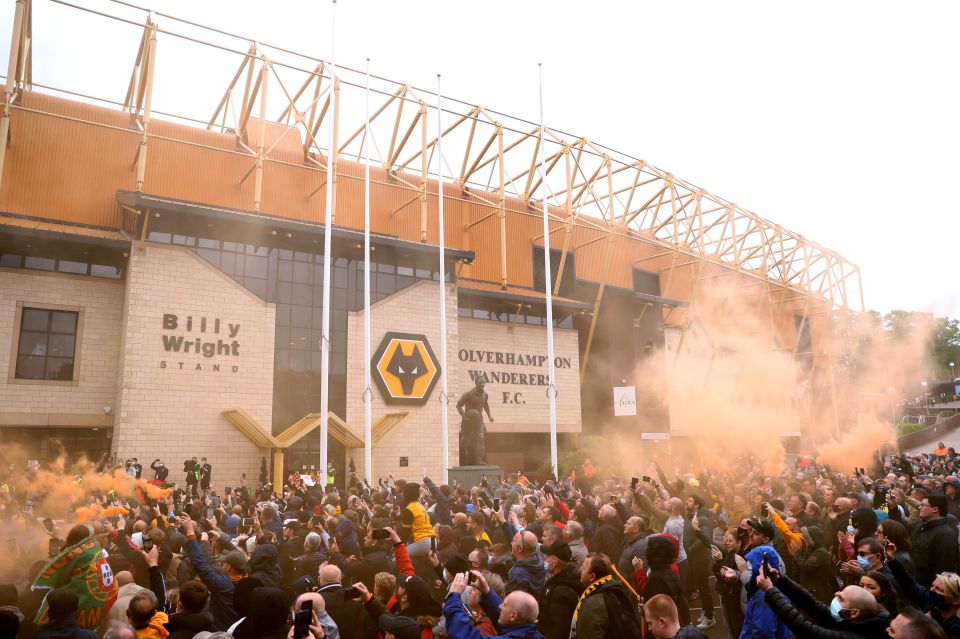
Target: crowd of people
[[808, 552]]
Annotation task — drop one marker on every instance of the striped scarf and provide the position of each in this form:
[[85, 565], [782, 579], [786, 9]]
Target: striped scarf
[[589, 591]]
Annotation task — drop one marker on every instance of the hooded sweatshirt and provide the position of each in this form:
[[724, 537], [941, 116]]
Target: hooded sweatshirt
[[268, 618], [528, 575]]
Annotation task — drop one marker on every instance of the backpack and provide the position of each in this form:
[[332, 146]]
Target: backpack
[[623, 618]]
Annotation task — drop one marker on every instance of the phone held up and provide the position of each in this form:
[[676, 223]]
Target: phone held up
[[302, 619]]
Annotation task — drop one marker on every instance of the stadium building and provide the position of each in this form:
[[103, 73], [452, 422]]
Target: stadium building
[[161, 273]]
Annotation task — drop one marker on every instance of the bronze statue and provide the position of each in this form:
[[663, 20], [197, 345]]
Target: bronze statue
[[471, 406]]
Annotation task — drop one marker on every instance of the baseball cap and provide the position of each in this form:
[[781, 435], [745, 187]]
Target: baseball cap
[[560, 550], [763, 527], [415, 586], [237, 560]]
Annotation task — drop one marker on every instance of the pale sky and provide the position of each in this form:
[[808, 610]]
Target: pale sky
[[837, 120]]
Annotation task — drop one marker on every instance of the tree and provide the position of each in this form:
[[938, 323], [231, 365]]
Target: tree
[[945, 344]]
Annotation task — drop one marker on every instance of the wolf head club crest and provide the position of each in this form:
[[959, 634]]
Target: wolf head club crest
[[405, 368]]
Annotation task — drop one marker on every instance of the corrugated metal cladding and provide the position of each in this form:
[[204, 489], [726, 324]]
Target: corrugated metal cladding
[[67, 169]]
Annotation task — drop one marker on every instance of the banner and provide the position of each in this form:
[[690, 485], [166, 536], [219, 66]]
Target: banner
[[82, 568], [624, 401]]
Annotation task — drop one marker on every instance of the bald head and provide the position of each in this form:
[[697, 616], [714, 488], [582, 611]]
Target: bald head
[[844, 504], [524, 545], [318, 604], [519, 608], [123, 577], [675, 505], [329, 574], [858, 598]]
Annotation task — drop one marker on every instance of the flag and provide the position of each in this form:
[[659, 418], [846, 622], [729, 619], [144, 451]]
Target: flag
[[82, 568]]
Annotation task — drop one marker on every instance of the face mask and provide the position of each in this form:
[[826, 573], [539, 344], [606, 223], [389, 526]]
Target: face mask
[[864, 562], [835, 609], [938, 600], [851, 530]]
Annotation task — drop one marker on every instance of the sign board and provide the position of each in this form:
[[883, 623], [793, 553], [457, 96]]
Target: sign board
[[624, 401], [511, 359], [654, 435]]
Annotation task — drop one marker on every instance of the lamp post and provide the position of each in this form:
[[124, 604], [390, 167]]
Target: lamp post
[[926, 408], [953, 376]]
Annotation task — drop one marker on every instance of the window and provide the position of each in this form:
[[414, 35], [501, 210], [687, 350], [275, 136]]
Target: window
[[47, 344]]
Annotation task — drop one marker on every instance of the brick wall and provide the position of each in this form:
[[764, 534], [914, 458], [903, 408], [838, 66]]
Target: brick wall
[[411, 310], [174, 412], [100, 302], [517, 397]]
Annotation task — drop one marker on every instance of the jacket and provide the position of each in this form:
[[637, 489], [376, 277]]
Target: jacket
[[920, 596], [345, 612], [220, 586], [759, 619], [608, 538], [528, 575], [460, 627], [814, 566], [442, 510], [558, 601], [183, 625], [631, 549], [365, 569], [809, 618], [579, 552], [65, 628], [156, 629], [935, 549], [593, 619], [264, 566], [118, 611], [410, 624]]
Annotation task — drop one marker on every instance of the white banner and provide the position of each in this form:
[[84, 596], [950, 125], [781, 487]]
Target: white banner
[[624, 401]]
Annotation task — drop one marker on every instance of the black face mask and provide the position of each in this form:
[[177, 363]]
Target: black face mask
[[938, 601]]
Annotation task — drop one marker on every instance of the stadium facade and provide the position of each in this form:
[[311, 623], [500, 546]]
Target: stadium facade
[[161, 275]]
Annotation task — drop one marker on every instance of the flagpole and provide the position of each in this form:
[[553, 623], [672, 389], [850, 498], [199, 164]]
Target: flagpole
[[327, 259], [367, 392], [548, 280], [444, 399]]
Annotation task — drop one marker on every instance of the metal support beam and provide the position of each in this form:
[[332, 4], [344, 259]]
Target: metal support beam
[[262, 137], [9, 89], [502, 209], [422, 116], [150, 57], [611, 240]]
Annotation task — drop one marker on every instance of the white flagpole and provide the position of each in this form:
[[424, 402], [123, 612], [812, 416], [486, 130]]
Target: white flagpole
[[548, 279], [327, 250], [444, 399], [367, 392]]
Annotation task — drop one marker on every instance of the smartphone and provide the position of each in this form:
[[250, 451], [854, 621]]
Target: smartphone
[[433, 544], [647, 479], [471, 578], [246, 521], [215, 501], [633, 482], [496, 504], [380, 533], [764, 510], [207, 513], [53, 548], [48, 524], [302, 619], [351, 593], [766, 563], [147, 544]]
